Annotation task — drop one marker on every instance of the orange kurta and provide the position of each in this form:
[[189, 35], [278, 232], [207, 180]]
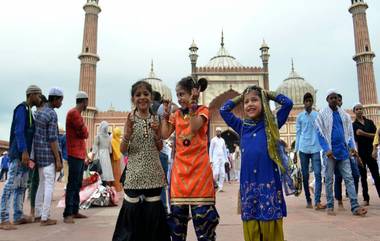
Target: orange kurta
[[191, 176]]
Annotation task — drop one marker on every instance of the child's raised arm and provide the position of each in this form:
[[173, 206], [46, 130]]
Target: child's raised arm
[[167, 128], [226, 112], [286, 106]]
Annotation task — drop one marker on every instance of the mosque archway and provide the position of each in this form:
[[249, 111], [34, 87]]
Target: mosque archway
[[230, 137], [214, 107]]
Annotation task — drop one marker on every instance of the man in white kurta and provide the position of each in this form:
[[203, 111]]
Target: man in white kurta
[[218, 157]]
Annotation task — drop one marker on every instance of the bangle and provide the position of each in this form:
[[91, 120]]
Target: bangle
[[237, 99], [272, 95], [165, 116]]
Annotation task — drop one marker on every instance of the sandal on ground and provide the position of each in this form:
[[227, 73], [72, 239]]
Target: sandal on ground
[[360, 211], [23, 220], [7, 226], [320, 206]]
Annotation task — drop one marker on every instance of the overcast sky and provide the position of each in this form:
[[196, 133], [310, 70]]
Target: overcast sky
[[41, 39]]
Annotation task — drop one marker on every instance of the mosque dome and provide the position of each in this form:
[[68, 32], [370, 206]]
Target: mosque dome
[[295, 87], [158, 85], [223, 59]]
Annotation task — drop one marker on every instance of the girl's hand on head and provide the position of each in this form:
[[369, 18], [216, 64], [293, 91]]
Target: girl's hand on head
[[237, 99], [266, 94], [270, 95]]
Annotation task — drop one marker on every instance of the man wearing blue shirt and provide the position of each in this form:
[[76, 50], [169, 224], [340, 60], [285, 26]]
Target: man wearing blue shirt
[[20, 146], [308, 148], [335, 137], [354, 170]]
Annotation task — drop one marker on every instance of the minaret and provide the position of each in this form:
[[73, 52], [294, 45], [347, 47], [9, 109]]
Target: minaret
[[363, 59], [265, 58], [89, 58], [193, 59]]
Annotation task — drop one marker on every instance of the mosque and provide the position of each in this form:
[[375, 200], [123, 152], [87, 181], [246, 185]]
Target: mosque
[[227, 78]]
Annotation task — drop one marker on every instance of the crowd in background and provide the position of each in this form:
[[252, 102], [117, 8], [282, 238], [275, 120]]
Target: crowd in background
[[167, 169]]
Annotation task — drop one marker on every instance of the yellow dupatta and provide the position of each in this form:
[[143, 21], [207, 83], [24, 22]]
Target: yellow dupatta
[[271, 129], [116, 141]]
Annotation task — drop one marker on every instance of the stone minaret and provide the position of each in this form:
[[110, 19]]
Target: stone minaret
[[265, 58], [88, 59], [363, 59], [193, 59]]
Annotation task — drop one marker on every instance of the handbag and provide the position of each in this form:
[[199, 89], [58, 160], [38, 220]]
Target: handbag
[[95, 166]]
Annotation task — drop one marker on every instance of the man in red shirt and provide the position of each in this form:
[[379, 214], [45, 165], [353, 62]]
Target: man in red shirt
[[76, 134]]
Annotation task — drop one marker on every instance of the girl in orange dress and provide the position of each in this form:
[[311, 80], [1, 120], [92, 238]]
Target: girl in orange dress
[[191, 185]]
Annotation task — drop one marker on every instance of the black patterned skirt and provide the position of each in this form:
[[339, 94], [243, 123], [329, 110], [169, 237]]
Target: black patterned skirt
[[143, 220]]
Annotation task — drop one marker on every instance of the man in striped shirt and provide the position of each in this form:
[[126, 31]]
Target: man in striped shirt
[[47, 155]]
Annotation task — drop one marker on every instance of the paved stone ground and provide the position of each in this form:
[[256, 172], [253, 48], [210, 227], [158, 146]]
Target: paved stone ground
[[301, 224]]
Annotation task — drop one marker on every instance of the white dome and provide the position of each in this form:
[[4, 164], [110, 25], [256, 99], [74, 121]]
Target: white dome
[[158, 85], [223, 59], [295, 87]]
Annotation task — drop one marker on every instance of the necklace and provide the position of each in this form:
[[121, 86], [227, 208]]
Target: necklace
[[251, 122], [145, 120], [186, 139], [144, 116]]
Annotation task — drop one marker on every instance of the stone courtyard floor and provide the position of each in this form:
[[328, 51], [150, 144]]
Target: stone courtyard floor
[[301, 224]]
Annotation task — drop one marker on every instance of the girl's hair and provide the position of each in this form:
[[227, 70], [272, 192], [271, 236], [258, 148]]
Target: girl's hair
[[188, 84], [255, 88], [139, 84]]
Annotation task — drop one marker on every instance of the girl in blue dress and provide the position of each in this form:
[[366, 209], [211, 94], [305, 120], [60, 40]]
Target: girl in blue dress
[[262, 201]]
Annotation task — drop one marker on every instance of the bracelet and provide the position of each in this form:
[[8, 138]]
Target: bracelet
[[166, 116], [272, 95], [237, 99]]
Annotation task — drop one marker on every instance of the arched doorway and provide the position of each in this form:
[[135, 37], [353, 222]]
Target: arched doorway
[[214, 107], [230, 137]]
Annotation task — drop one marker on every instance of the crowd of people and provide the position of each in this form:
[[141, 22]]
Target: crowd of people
[[338, 149], [172, 172]]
